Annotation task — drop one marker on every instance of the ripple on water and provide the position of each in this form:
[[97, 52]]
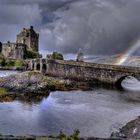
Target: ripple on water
[[92, 113]]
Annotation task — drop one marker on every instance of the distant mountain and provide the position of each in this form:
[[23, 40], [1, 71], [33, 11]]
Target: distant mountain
[[104, 59]]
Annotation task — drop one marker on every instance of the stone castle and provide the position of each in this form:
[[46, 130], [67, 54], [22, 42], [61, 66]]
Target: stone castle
[[27, 39]]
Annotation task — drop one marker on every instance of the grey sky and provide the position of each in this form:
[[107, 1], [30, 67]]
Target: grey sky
[[96, 26]]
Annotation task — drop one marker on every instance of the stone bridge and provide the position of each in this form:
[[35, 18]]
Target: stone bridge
[[112, 74], [36, 64]]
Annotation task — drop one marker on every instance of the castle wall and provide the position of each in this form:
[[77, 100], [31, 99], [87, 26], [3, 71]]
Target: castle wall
[[13, 50], [34, 44], [26, 39]]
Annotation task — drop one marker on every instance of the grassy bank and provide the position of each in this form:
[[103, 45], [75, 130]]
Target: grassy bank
[[11, 63]]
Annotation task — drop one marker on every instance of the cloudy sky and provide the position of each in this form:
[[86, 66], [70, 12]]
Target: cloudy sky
[[96, 26]]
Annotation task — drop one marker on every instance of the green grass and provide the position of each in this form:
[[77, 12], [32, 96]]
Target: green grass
[[18, 63], [11, 63], [2, 91], [34, 72], [51, 82]]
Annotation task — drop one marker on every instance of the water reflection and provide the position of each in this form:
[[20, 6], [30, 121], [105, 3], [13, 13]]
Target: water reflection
[[132, 88], [30, 98], [94, 113], [131, 84]]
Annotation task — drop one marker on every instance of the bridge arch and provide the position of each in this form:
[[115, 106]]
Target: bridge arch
[[119, 81], [33, 65], [44, 68], [27, 66], [38, 67]]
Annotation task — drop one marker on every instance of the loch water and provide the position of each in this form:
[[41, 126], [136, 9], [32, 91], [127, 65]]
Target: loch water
[[4, 73], [96, 113]]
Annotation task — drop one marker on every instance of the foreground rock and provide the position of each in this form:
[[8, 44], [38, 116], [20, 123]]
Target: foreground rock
[[23, 83], [132, 129]]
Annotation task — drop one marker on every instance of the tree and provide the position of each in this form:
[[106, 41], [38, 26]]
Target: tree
[[31, 54], [56, 55], [3, 62]]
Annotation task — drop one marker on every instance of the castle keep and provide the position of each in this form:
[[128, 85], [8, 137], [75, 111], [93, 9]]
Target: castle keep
[[27, 39]]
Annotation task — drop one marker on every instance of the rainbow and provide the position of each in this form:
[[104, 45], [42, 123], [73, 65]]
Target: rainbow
[[135, 45]]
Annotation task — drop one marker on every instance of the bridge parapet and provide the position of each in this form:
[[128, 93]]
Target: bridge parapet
[[37, 64], [90, 71], [83, 71]]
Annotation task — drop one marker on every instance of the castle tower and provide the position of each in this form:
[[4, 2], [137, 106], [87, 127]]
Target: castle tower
[[30, 38]]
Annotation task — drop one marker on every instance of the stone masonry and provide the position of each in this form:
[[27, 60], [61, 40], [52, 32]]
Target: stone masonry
[[30, 38], [83, 71], [26, 39], [13, 50]]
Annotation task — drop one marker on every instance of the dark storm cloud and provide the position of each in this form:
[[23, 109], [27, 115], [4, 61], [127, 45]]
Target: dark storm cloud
[[16, 14], [17, 10], [96, 26], [46, 5]]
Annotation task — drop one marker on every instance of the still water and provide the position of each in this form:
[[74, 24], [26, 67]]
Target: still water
[[95, 113], [4, 73]]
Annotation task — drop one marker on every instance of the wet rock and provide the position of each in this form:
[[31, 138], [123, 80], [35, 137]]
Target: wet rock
[[132, 129], [24, 82], [118, 135], [10, 137], [37, 83]]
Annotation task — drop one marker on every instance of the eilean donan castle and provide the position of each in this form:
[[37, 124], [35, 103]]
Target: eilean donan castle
[[27, 39]]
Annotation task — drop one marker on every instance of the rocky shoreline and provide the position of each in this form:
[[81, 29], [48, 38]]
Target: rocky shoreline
[[33, 86], [10, 137], [132, 129]]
